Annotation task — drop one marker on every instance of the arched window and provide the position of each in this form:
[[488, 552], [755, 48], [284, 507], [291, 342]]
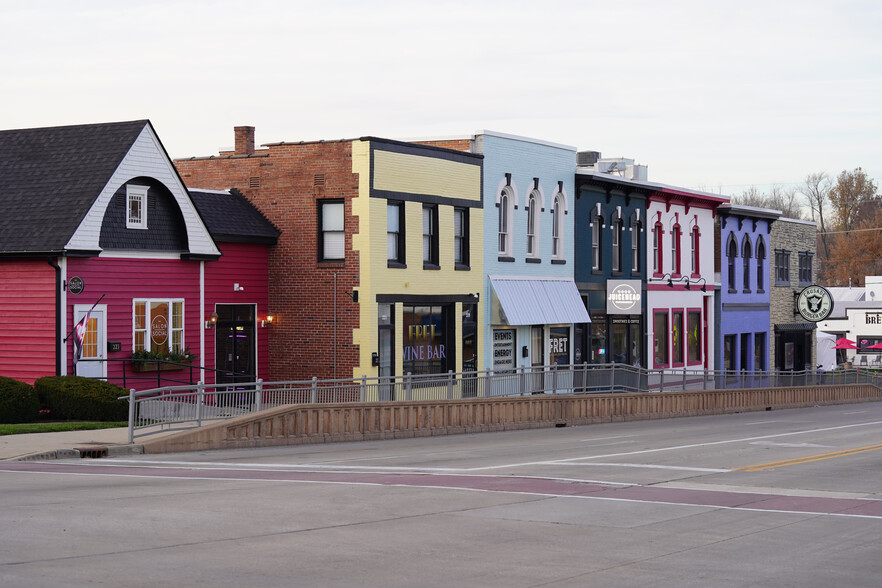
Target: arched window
[[746, 254], [532, 225], [675, 250], [557, 228], [657, 254], [731, 254], [506, 205], [760, 265]]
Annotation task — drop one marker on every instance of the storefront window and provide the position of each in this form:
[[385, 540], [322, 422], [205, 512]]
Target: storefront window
[[693, 336], [598, 339], [559, 345], [158, 326], [425, 340], [677, 337], [759, 352], [469, 337], [660, 338]]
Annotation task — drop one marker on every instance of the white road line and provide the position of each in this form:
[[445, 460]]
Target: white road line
[[760, 423], [641, 465]]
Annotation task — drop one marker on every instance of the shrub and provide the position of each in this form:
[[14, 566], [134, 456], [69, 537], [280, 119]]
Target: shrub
[[18, 402], [79, 398]]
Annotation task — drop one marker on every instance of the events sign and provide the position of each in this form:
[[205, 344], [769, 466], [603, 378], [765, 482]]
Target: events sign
[[624, 296], [503, 350]]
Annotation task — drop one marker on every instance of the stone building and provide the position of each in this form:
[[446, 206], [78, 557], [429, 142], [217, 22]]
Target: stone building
[[792, 268]]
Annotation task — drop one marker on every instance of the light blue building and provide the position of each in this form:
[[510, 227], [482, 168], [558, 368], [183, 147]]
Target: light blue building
[[745, 292], [531, 304]]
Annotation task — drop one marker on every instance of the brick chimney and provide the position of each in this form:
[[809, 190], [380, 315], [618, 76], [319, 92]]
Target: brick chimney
[[244, 140]]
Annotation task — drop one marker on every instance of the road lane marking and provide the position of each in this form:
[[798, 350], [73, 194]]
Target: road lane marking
[[808, 459], [774, 444], [644, 466]]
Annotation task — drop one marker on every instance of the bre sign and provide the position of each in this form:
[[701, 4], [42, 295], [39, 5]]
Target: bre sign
[[814, 303]]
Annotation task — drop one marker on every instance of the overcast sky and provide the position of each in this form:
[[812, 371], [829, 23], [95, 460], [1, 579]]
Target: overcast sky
[[711, 95]]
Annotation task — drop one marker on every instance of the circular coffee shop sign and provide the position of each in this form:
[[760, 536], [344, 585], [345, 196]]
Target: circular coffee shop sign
[[814, 303]]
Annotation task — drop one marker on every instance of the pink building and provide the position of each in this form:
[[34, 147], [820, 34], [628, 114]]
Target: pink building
[[95, 220]]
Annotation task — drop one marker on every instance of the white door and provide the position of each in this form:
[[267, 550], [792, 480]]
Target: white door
[[91, 364]]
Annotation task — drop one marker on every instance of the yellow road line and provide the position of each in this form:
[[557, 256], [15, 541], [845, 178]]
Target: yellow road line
[[808, 459]]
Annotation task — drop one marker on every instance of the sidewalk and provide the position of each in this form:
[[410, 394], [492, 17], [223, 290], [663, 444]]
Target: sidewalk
[[65, 445]]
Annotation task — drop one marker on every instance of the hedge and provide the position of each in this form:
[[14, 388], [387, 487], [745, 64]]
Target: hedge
[[18, 402], [79, 398]]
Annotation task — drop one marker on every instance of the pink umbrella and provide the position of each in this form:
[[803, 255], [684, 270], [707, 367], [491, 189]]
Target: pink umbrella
[[875, 346], [844, 343]]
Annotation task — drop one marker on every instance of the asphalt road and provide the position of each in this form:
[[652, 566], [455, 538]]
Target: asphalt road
[[784, 498]]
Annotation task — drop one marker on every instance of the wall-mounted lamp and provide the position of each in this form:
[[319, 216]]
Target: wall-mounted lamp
[[270, 317], [353, 295], [686, 278], [670, 281], [212, 320], [237, 287], [703, 285]]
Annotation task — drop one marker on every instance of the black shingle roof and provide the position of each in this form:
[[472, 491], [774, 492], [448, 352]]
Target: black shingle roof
[[232, 218], [50, 177]]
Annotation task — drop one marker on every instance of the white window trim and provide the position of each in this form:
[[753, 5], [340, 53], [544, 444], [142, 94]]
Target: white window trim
[[557, 233], [506, 230], [533, 222], [147, 320], [136, 194]]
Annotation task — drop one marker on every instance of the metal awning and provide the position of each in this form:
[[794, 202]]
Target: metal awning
[[536, 301], [796, 327]]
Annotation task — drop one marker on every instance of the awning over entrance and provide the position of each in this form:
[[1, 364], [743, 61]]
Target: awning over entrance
[[536, 301], [796, 327]]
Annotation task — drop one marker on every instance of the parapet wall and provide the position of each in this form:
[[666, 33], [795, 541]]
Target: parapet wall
[[326, 423]]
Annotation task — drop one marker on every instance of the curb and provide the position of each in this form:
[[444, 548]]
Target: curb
[[96, 452]]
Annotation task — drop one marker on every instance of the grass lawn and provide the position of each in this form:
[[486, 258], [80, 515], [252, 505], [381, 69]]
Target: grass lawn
[[50, 427]]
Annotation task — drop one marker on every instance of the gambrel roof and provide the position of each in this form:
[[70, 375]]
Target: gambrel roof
[[56, 184]]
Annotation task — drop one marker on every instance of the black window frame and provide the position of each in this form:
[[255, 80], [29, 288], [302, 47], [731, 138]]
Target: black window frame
[[401, 260], [431, 259], [321, 232], [805, 268], [782, 267], [462, 262]]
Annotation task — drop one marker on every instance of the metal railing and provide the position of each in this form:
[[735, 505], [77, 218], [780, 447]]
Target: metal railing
[[188, 406]]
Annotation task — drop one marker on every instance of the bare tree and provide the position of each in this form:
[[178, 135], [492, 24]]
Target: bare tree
[[777, 198], [852, 191], [816, 190]]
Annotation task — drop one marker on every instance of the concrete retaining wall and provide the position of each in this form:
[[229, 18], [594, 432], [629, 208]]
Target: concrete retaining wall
[[325, 423]]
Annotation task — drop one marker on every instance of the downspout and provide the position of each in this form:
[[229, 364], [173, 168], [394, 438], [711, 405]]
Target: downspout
[[58, 326]]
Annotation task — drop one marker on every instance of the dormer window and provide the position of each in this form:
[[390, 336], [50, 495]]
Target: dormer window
[[136, 207]]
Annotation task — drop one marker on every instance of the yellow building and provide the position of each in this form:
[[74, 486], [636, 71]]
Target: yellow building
[[420, 218]]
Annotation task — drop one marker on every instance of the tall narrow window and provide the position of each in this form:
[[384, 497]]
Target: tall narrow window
[[693, 336], [595, 243], [746, 254], [731, 254], [136, 207], [805, 268], [635, 246], [657, 262], [675, 250], [557, 228], [760, 266], [677, 346], [506, 204], [461, 237], [696, 266], [532, 225], [430, 236], [660, 338], [395, 234], [782, 268], [617, 230], [332, 238]]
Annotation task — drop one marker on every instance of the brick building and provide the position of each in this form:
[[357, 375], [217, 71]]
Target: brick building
[[792, 268], [380, 251]]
